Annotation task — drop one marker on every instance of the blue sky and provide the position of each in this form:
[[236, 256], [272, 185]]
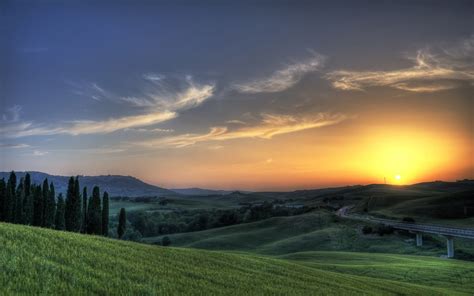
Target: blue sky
[[180, 92]]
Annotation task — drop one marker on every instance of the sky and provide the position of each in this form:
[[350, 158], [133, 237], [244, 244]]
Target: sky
[[254, 95]]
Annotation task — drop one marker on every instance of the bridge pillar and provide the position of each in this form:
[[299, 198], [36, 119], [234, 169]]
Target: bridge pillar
[[450, 245], [419, 239]]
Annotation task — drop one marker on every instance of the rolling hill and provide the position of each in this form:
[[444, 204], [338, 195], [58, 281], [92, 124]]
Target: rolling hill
[[200, 191], [42, 261]]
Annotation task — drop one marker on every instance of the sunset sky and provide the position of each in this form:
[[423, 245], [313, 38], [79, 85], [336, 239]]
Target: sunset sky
[[253, 95]]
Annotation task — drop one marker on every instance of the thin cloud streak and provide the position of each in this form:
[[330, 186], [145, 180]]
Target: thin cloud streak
[[160, 96], [271, 125], [14, 146], [283, 78], [430, 73], [156, 111], [26, 129]]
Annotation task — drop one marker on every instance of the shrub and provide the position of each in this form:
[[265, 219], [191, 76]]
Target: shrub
[[384, 229], [166, 241], [366, 229]]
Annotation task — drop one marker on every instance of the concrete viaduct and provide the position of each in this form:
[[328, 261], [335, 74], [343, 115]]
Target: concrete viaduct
[[448, 232]]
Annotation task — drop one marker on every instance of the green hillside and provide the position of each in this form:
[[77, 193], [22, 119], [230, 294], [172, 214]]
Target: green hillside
[[35, 261], [315, 231]]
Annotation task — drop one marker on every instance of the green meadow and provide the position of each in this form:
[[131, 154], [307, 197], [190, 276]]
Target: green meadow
[[49, 262]]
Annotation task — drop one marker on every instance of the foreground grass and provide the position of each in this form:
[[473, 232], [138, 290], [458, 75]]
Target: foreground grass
[[41, 261]]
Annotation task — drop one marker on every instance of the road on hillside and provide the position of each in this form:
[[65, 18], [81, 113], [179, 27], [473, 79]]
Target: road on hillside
[[414, 227]]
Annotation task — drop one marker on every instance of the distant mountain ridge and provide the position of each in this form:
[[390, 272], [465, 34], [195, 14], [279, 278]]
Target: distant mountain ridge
[[118, 185], [115, 185], [201, 192]]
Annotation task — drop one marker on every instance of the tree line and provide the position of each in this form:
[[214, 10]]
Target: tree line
[[22, 202], [155, 223]]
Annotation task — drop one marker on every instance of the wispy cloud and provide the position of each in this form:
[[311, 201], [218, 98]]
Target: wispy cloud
[[157, 109], [271, 125], [147, 130], [91, 90], [164, 96], [284, 78], [431, 72], [39, 153], [13, 146], [25, 129], [235, 121], [12, 114]]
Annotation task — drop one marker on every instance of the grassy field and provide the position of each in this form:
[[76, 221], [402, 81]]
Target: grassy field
[[41, 261]]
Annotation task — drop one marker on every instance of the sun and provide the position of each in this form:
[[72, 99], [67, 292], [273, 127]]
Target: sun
[[397, 177]]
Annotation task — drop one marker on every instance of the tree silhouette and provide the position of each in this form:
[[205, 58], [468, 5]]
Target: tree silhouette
[[105, 214], [94, 218], [122, 223]]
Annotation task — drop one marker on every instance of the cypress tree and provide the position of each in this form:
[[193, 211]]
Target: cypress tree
[[3, 197], [19, 197], [27, 201], [69, 205], [45, 193], [9, 203], [28, 205], [37, 206], [12, 180], [50, 207], [122, 223], [27, 184], [84, 210], [59, 221], [105, 214], [94, 219], [73, 206], [78, 204]]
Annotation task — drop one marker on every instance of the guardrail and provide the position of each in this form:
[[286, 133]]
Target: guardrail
[[433, 229]]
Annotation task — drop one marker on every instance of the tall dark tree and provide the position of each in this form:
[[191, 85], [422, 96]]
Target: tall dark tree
[[10, 197], [105, 214], [78, 205], [50, 207], [28, 204], [84, 210], [94, 217], [19, 197], [27, 201], [69, 205], [59, 220], [12, 180], [73, 206], [122, 223], [3, 197], [45, 192], [27, 184], [37, 205]]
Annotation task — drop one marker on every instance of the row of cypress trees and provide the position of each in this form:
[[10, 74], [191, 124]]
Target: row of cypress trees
[[37, 205]]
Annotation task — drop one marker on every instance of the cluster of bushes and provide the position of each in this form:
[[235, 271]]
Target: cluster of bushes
[[380, 229], [159, 223], [31, 204]]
